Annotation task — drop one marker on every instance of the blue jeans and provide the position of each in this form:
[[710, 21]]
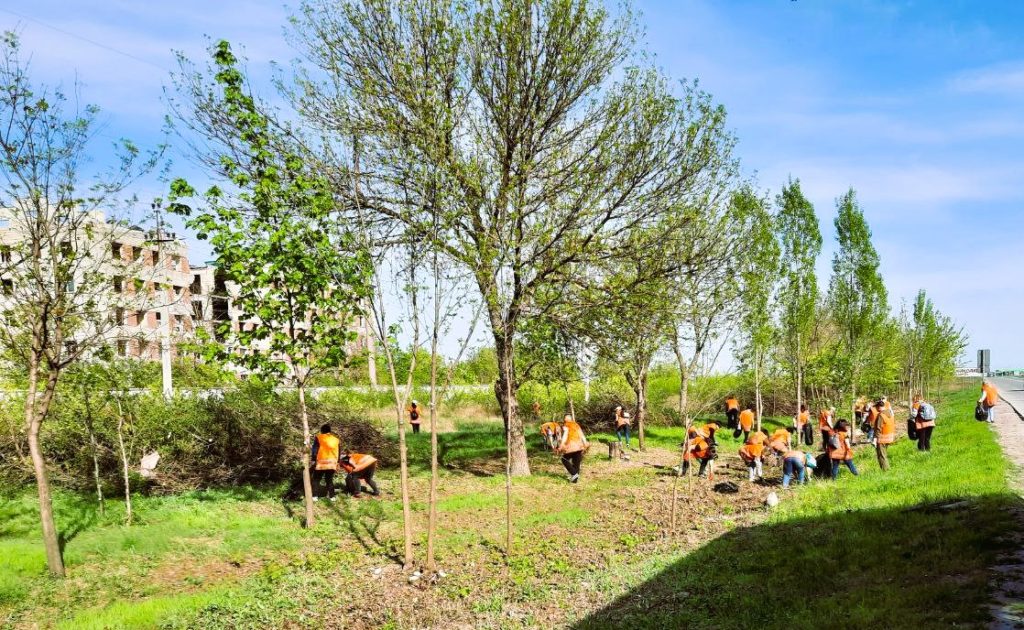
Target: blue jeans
[[849, 464], [790, 467], [991, 413], [623, 432]]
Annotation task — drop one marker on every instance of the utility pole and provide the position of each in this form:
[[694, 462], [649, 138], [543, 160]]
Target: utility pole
[[165, 334]]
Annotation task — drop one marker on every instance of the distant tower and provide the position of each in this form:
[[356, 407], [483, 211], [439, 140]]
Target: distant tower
[[984, 362]]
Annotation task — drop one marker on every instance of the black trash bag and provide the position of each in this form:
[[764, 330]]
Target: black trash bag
[[912, 428], [980, 413]]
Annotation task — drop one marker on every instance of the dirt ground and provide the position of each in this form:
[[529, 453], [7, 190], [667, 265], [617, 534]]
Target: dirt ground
[[1008, 580]]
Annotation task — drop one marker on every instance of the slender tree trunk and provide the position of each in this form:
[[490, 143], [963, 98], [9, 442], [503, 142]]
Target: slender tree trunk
[[641, 407], [507, 367], [757, 389], [94, 446], [307, 482], [371, 354], [506, 391], [124, 465], [432, 518], [684, 416], [799, 375], [568, 400], [35, 412]]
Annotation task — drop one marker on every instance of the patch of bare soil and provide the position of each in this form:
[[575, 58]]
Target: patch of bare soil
[[1008, 575]]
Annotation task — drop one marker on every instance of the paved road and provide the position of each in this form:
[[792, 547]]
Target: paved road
[[1012, 391]]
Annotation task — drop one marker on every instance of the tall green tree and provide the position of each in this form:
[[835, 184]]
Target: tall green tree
[[758, 261], [298, 276], [544, 130], [857, 297], [932, 343], [800, 244]]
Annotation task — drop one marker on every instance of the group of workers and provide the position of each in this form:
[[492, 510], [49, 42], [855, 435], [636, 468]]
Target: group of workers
[[328, 458], [877, 421]]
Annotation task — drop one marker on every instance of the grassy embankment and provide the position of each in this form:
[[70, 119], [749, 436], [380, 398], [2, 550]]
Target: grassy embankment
[[861, 551]]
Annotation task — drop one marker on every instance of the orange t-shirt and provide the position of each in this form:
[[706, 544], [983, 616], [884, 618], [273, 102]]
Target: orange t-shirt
[[747, 419]]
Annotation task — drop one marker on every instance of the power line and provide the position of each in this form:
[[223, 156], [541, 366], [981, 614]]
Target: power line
[[84, 39]]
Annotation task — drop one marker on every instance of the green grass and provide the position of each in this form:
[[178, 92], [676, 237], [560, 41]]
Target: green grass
[[872, 551]]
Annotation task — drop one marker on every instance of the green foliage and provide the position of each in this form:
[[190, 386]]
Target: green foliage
[[298, 275]]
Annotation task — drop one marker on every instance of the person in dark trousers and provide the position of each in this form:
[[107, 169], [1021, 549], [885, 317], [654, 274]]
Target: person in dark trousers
[[924, 422], [325, 449], [414, 416], [732, 411], [571, 447], [360, 468]]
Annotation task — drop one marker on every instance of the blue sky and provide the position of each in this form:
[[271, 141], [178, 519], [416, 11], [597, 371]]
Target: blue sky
[[917, 105]]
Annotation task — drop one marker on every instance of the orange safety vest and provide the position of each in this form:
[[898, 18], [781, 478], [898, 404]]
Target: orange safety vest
[[358, 462], [872, 415], [885, 426], [698, 446], [574, 442], [731, 404], [757, 438], [750, 452], [327, 451], [991, 394], [844, 452], [780, 434], [802, 418], [747, 419], [707, 430], [550, 428], [621, 420], [823, 420]]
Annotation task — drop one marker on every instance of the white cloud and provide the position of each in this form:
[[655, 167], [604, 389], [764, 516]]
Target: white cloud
[[1004, 78]]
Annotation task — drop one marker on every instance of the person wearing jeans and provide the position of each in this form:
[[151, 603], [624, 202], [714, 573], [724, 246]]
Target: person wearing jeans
[[839, 449], [989, 398], [794, 464], [622, 422]]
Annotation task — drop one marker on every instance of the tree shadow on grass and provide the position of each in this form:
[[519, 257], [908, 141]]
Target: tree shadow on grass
[[363, 518], [922, 567]]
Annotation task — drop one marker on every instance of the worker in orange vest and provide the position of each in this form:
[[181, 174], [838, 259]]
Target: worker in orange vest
[[840, 450], [751, 453], [552, 432], [572, 446], [989, 398], [884, 430], [414, 416], [622, 422], [700, 445], [826, 420], [793, 462], [779, 441], [803, 426], [360, 468], [746, 423], [924, 423], [732, 411], [326, 448]]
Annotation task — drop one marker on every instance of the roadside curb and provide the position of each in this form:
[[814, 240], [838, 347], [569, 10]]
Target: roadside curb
[[1016, 410]]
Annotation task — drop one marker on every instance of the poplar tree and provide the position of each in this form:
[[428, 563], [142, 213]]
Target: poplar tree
[[857, 297], [800, 244], [758, 262]]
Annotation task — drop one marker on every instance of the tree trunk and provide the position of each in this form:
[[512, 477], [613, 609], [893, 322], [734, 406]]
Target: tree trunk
[[94, 446], [371, 354], [35, 412], [586, 389], [506, 390], [684, 401], [307, 483], [432, 517], [757, 389], [640, 389], [124, 465], [799, 375]]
